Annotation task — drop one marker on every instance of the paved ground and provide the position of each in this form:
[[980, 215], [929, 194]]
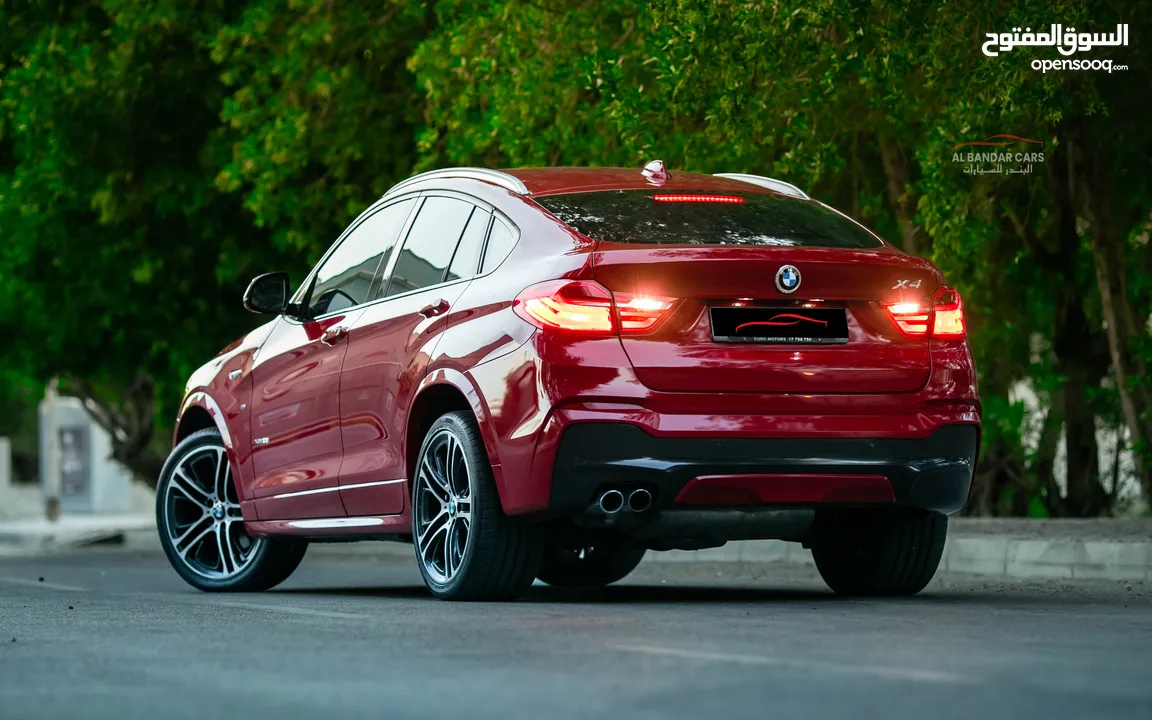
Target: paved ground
[[113, 634]]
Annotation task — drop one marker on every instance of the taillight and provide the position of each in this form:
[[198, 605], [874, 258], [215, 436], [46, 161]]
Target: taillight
[[583, 306], [911, 318], [949, 315], [945, 316], [571, 305], [638, 313]]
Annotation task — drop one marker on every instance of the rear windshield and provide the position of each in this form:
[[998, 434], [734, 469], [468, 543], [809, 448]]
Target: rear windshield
[[690, 218]]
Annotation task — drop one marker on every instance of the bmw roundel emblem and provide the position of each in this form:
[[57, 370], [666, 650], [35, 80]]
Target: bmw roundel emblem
[[787, 279]]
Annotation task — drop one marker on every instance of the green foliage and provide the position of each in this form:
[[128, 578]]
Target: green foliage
[[155, 154], [319, 113], [113, 232]]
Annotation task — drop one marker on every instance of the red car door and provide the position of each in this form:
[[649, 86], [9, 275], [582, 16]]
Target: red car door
[[297, 447], [392, 343]]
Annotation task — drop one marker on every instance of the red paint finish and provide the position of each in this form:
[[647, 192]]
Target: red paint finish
[[295, 413], [390, 346], [225, 400], [337, 417], [786, 489]]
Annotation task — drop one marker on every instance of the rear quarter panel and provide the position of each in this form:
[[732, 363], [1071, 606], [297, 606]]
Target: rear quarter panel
[[488, 352]]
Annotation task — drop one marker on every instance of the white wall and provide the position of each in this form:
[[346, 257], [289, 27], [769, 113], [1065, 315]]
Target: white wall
[[109, 482], [5, 464]]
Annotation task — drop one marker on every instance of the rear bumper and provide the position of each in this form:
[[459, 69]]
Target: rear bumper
[[932, 473]]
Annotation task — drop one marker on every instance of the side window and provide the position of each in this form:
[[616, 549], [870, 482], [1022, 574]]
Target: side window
[[466, 261], [346, 277], [500, 242], [430, 245]]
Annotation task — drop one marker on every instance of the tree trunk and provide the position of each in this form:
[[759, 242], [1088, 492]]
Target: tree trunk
[[127, 414], [1090, 183], [1073, 345], [1077, 354], [1086, 496], [899, 177]]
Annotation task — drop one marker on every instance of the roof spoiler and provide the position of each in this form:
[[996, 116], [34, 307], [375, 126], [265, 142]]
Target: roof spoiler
[[503, 179], [771, 183]]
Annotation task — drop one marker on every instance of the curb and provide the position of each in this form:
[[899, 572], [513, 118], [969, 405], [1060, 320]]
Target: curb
[[38, 536], [1005, 558], [996, 548], [974, 548]]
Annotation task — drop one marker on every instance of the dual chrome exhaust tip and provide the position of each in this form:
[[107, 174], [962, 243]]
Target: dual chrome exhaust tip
[[613, 501]]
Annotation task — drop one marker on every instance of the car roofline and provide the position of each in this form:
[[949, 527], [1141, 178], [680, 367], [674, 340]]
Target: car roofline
[[564, 180]]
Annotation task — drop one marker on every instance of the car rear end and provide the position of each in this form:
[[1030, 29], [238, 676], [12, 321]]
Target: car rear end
[[779, 364]]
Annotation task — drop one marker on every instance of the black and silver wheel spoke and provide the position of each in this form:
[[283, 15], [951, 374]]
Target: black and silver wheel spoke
[[454, 552], [202, 515], [191, 491], [434, 482], [432, 535], [222, 475], [443, 508], [191, 537], [451, 473]]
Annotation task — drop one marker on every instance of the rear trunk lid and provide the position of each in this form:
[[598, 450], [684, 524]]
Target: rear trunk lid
[[820, 328], [684, 353]]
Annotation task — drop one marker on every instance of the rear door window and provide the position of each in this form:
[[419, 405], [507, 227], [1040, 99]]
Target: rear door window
[[500, 242], [466, 261], [699, 218], [430, 245]]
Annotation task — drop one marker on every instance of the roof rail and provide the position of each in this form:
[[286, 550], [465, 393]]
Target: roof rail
[[504, 180], [771, 183]]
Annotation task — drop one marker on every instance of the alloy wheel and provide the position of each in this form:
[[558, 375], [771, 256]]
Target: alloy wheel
[[202, 515], [443, 507]]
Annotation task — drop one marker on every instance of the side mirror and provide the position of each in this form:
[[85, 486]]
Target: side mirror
[[267, 294]]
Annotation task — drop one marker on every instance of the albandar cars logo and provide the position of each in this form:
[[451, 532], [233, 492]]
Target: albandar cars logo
[[1066, 40], [1000, 161]]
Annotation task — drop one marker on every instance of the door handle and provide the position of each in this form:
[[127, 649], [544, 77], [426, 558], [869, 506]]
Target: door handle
[[437, 308], [334, 335]]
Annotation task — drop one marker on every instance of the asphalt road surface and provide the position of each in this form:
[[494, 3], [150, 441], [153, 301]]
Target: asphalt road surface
[[113, 634]]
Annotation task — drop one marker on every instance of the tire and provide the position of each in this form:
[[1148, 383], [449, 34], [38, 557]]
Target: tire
[[197, 511], [454, 503], [590, 566], [882, 553]]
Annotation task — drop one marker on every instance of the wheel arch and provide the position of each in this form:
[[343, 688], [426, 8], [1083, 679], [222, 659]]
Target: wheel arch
[[194, 419], [200, 412], [442, 392]]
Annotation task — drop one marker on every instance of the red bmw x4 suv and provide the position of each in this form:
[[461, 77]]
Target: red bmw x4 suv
[[546, 373]]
